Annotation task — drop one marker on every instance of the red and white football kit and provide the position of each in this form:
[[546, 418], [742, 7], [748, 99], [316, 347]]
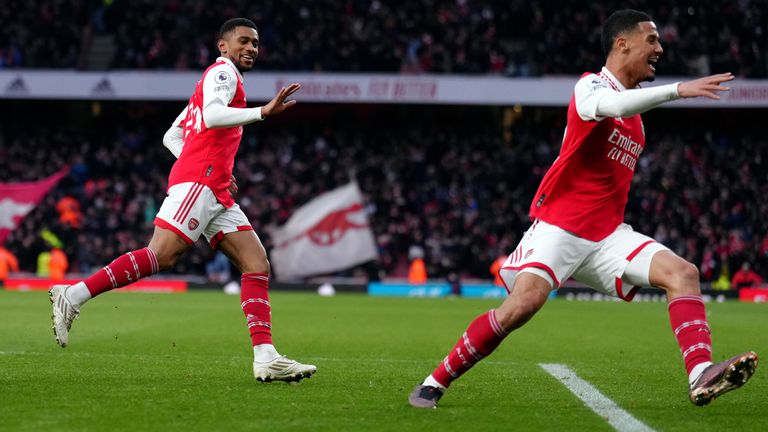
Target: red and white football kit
[[578, 210], [205, 138]]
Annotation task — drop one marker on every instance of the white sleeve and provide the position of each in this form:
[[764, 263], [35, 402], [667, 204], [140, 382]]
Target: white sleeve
[[219, 88], [596, 100], [173, 139]]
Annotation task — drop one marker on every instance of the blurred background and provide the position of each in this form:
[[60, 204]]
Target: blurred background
[[446, 176]]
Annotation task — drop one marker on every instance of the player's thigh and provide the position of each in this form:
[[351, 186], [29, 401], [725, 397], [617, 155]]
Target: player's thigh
[[232, 233], [547, 251], [187, 210], [621, 264]]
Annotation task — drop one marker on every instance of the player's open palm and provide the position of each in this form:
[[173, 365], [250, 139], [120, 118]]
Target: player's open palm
[[279, 103], [707, 86]]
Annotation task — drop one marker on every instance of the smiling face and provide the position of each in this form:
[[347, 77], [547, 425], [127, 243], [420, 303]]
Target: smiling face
[[641, 49], [241, 45]]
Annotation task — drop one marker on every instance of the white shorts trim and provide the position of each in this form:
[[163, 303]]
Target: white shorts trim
[[617, 265], [191, 209]]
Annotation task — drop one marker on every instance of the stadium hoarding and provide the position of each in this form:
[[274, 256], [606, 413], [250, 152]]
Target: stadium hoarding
[[155, 285], [339, 88]]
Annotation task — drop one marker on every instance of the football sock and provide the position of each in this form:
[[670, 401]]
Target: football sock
[[254, 298], [78, 294], [482, 336], [124, 270], [689, 323], [432, 382], [264, 353], [696, 371]]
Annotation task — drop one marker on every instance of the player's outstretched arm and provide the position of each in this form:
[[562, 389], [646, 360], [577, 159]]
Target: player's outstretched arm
[[279, 103], [173, 139], [705, 87]]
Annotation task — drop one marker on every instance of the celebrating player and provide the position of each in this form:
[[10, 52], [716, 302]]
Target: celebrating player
[[205, 138], [577, 216]]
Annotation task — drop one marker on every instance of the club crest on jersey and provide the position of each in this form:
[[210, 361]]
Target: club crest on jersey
[[222, 77], [193, 224]]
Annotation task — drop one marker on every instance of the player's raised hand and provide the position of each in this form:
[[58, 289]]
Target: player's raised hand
[[706, 86], [279, 103]]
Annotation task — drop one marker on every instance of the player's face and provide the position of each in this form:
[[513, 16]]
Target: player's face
[[241, 45], [644, 51]]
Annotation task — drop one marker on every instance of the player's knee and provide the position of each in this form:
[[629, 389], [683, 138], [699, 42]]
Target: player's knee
[[689, 274], [257, 265], [166, 261], [520, 307], [685, 279]]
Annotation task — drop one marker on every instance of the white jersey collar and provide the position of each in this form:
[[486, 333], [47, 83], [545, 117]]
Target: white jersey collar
[[613, 79], [229, 62]]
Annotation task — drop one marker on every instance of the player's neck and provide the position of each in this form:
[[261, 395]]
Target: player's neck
[[621, 73]]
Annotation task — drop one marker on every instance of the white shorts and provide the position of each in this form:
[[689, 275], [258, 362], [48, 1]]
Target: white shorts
[[618, 265], [191, 209]]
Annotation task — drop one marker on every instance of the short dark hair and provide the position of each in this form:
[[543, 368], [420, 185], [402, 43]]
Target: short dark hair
[[620, 22], [230, 25]]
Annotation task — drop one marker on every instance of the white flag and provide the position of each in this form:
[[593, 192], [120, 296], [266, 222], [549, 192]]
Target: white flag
[[329, 233]]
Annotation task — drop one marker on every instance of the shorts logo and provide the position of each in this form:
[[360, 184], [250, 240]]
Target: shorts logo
[[222, 77], [529, 253], [193, 224]]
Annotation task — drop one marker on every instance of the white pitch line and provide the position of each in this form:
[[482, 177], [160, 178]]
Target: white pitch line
[[621, 420]]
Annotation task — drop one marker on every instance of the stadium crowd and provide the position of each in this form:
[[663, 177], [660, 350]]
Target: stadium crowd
[[459, 185], [513, 38]]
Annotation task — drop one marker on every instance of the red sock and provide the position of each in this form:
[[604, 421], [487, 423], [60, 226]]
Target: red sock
[[689, 322], [124, 270], [483, 335], [254, 295]]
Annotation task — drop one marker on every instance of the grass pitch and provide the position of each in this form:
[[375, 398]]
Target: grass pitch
[[183, 362]]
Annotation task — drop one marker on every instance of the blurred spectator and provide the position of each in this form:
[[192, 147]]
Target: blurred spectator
[[8, 263], [417, 271], [722, 283], [217, 270], [513, 37], [43, 264], [745, 277], [69, 212], [57, 264], [495, 267]]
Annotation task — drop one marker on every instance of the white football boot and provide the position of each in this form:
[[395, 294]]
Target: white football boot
[[282, 369], [64, 312]]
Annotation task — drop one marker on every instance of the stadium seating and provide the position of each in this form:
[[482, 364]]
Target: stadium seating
[[513, 38]]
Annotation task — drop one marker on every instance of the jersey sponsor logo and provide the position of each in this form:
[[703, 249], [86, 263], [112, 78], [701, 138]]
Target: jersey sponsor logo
[[624, 150], [193, 224], [222, 77]]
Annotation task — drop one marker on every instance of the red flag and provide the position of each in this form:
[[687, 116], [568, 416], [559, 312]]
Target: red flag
[[327, 234], [18, 199]]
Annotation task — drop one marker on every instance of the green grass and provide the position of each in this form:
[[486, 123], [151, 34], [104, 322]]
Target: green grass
[[183, 362]]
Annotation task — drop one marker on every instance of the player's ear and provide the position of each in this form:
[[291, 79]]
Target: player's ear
[[620, 44], [222, 44]]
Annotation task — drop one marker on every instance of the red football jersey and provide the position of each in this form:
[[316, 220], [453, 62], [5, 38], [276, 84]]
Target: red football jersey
[[585, 191], [208, 155]]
